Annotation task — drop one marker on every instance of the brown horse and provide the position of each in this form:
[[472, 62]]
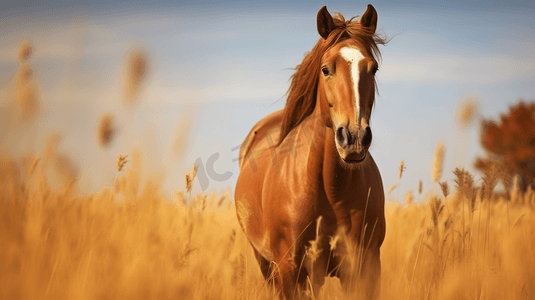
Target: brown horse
[[306, 176]]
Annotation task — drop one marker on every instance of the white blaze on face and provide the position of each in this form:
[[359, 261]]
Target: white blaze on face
[[353, 57]]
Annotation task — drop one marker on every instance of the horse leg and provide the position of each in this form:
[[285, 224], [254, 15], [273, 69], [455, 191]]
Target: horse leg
[[289, 276], [290, 279], [317, 264], [364, 279], [317, 271]]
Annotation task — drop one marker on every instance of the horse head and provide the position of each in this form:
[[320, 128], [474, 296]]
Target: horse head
[[346, 87]]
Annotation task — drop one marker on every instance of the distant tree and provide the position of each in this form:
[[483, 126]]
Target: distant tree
[[510, 146]]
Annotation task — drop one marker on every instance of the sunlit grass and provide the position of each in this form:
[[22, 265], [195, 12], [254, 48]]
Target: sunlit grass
[[119, 243], [133, 243]]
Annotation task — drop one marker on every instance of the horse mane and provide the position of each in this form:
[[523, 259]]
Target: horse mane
[[304, 82]]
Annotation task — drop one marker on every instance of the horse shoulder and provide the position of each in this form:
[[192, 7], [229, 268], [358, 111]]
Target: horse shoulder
[[291, 197]]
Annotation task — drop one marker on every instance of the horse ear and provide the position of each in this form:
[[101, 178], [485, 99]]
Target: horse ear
[[369, 18], [325, 22]]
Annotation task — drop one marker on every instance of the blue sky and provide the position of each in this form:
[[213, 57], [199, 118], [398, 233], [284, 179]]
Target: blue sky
[[225, 65]]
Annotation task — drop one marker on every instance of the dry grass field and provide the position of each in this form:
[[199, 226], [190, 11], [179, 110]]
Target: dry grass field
[[129, 241]]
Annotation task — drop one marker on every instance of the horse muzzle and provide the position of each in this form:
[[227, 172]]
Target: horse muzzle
[[352, 145]]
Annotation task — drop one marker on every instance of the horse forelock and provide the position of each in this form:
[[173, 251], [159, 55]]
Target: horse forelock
[[303, 89]]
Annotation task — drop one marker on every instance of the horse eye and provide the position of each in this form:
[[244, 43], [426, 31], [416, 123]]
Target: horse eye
[[325, 71], [375, 69]]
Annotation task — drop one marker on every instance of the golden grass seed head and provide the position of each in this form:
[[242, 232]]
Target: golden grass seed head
[[202, 201], [436, 209], [333, 242], [136, 70], [438, 162], [188, 179], [194, 171], [490, 180], [137, 63], [448, 222], [314, 251], [391, 188], [445, 188], [120, 162], [187, 182], [105, 130], [409, 198], [459, 178], [24, 51], [221, 200], [464, 182], [180, 197], [466, 113], [401, 168], [420, 187]]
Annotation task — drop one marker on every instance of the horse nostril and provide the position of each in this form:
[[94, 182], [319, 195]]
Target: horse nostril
[[342, 136], [367, 139]]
